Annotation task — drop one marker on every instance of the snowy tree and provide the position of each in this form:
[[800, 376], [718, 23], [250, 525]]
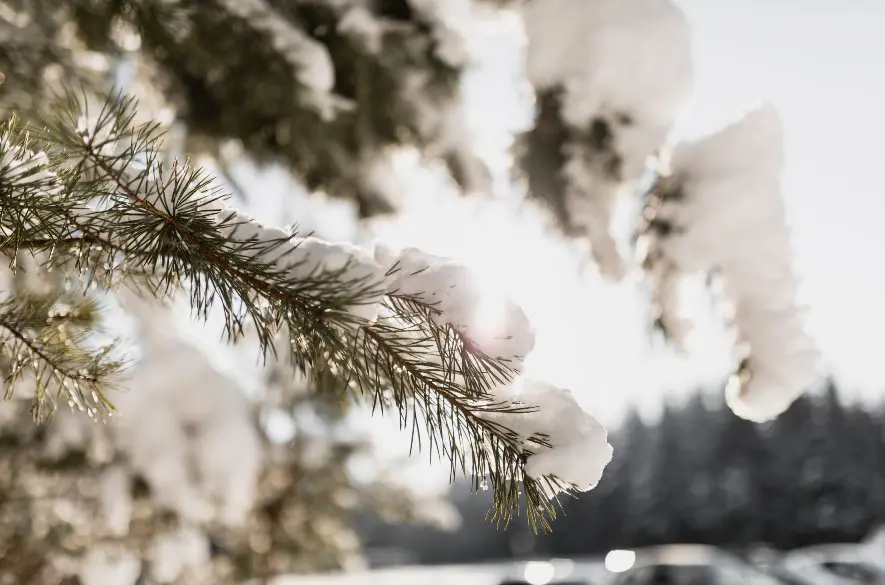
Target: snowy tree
[[190, 485], [96, 209], [93, 203], [340, 82]]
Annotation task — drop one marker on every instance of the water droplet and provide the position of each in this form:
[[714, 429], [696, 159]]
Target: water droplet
[[484, 485]]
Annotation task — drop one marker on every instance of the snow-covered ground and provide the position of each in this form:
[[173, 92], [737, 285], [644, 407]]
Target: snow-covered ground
[[475, 574], [444, 575]]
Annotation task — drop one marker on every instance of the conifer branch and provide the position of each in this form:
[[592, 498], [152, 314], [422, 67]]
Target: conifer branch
[[101, 204]]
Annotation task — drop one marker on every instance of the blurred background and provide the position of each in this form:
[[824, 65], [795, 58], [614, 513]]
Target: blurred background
[[799, 500]]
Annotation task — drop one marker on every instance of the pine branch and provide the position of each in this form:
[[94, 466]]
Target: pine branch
[[47, 339], [102, 204]]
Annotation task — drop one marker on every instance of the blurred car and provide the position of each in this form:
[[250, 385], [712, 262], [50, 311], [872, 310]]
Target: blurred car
[[690, 565], [834, 564], [552, 572], [553, 582]]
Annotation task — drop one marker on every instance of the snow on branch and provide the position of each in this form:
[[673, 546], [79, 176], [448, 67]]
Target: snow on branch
[[402, 329], [610, 77], [451, 21], [719, 208], [313, 65]]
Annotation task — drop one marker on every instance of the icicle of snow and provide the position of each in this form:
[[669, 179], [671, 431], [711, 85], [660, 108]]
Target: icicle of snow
[[579, 450], [591, 204], [729, 216], [497, 326], [623, 69]]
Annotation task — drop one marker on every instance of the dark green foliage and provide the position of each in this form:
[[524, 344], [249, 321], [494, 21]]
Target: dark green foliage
[[227, 80], [541, 157], [715, 478], [542, 152]]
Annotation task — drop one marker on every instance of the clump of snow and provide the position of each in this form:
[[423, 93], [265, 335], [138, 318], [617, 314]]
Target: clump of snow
[[198, 449], [610, 56], [578, 450], [452, 21], [22, 166], [300, 259], [724, 210], [623, 70], [380, 180], [108, 564], [496, 326], [311, 60], [358, 21], [116, 499], [175, 553], [443, 126]]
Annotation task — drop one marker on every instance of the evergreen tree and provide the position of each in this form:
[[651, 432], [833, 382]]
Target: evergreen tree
[[342, 82], [337, 83], [100, 211], [330, 88], [638, 478]]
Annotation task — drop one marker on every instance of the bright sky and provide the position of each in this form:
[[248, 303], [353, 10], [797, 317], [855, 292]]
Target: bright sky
[[819, 61]]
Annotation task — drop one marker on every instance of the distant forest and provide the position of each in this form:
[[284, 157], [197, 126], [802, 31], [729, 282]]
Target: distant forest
[[698, 474]]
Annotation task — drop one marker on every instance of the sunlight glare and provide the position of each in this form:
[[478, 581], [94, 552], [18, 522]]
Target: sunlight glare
[[490, 315]]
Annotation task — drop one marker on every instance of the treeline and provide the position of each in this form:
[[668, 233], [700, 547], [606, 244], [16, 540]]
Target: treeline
[[700, 474]]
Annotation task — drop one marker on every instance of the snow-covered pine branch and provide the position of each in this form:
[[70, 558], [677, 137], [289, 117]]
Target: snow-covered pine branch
[[610, 77], [718, 207], [399, 329], [309, 58]]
